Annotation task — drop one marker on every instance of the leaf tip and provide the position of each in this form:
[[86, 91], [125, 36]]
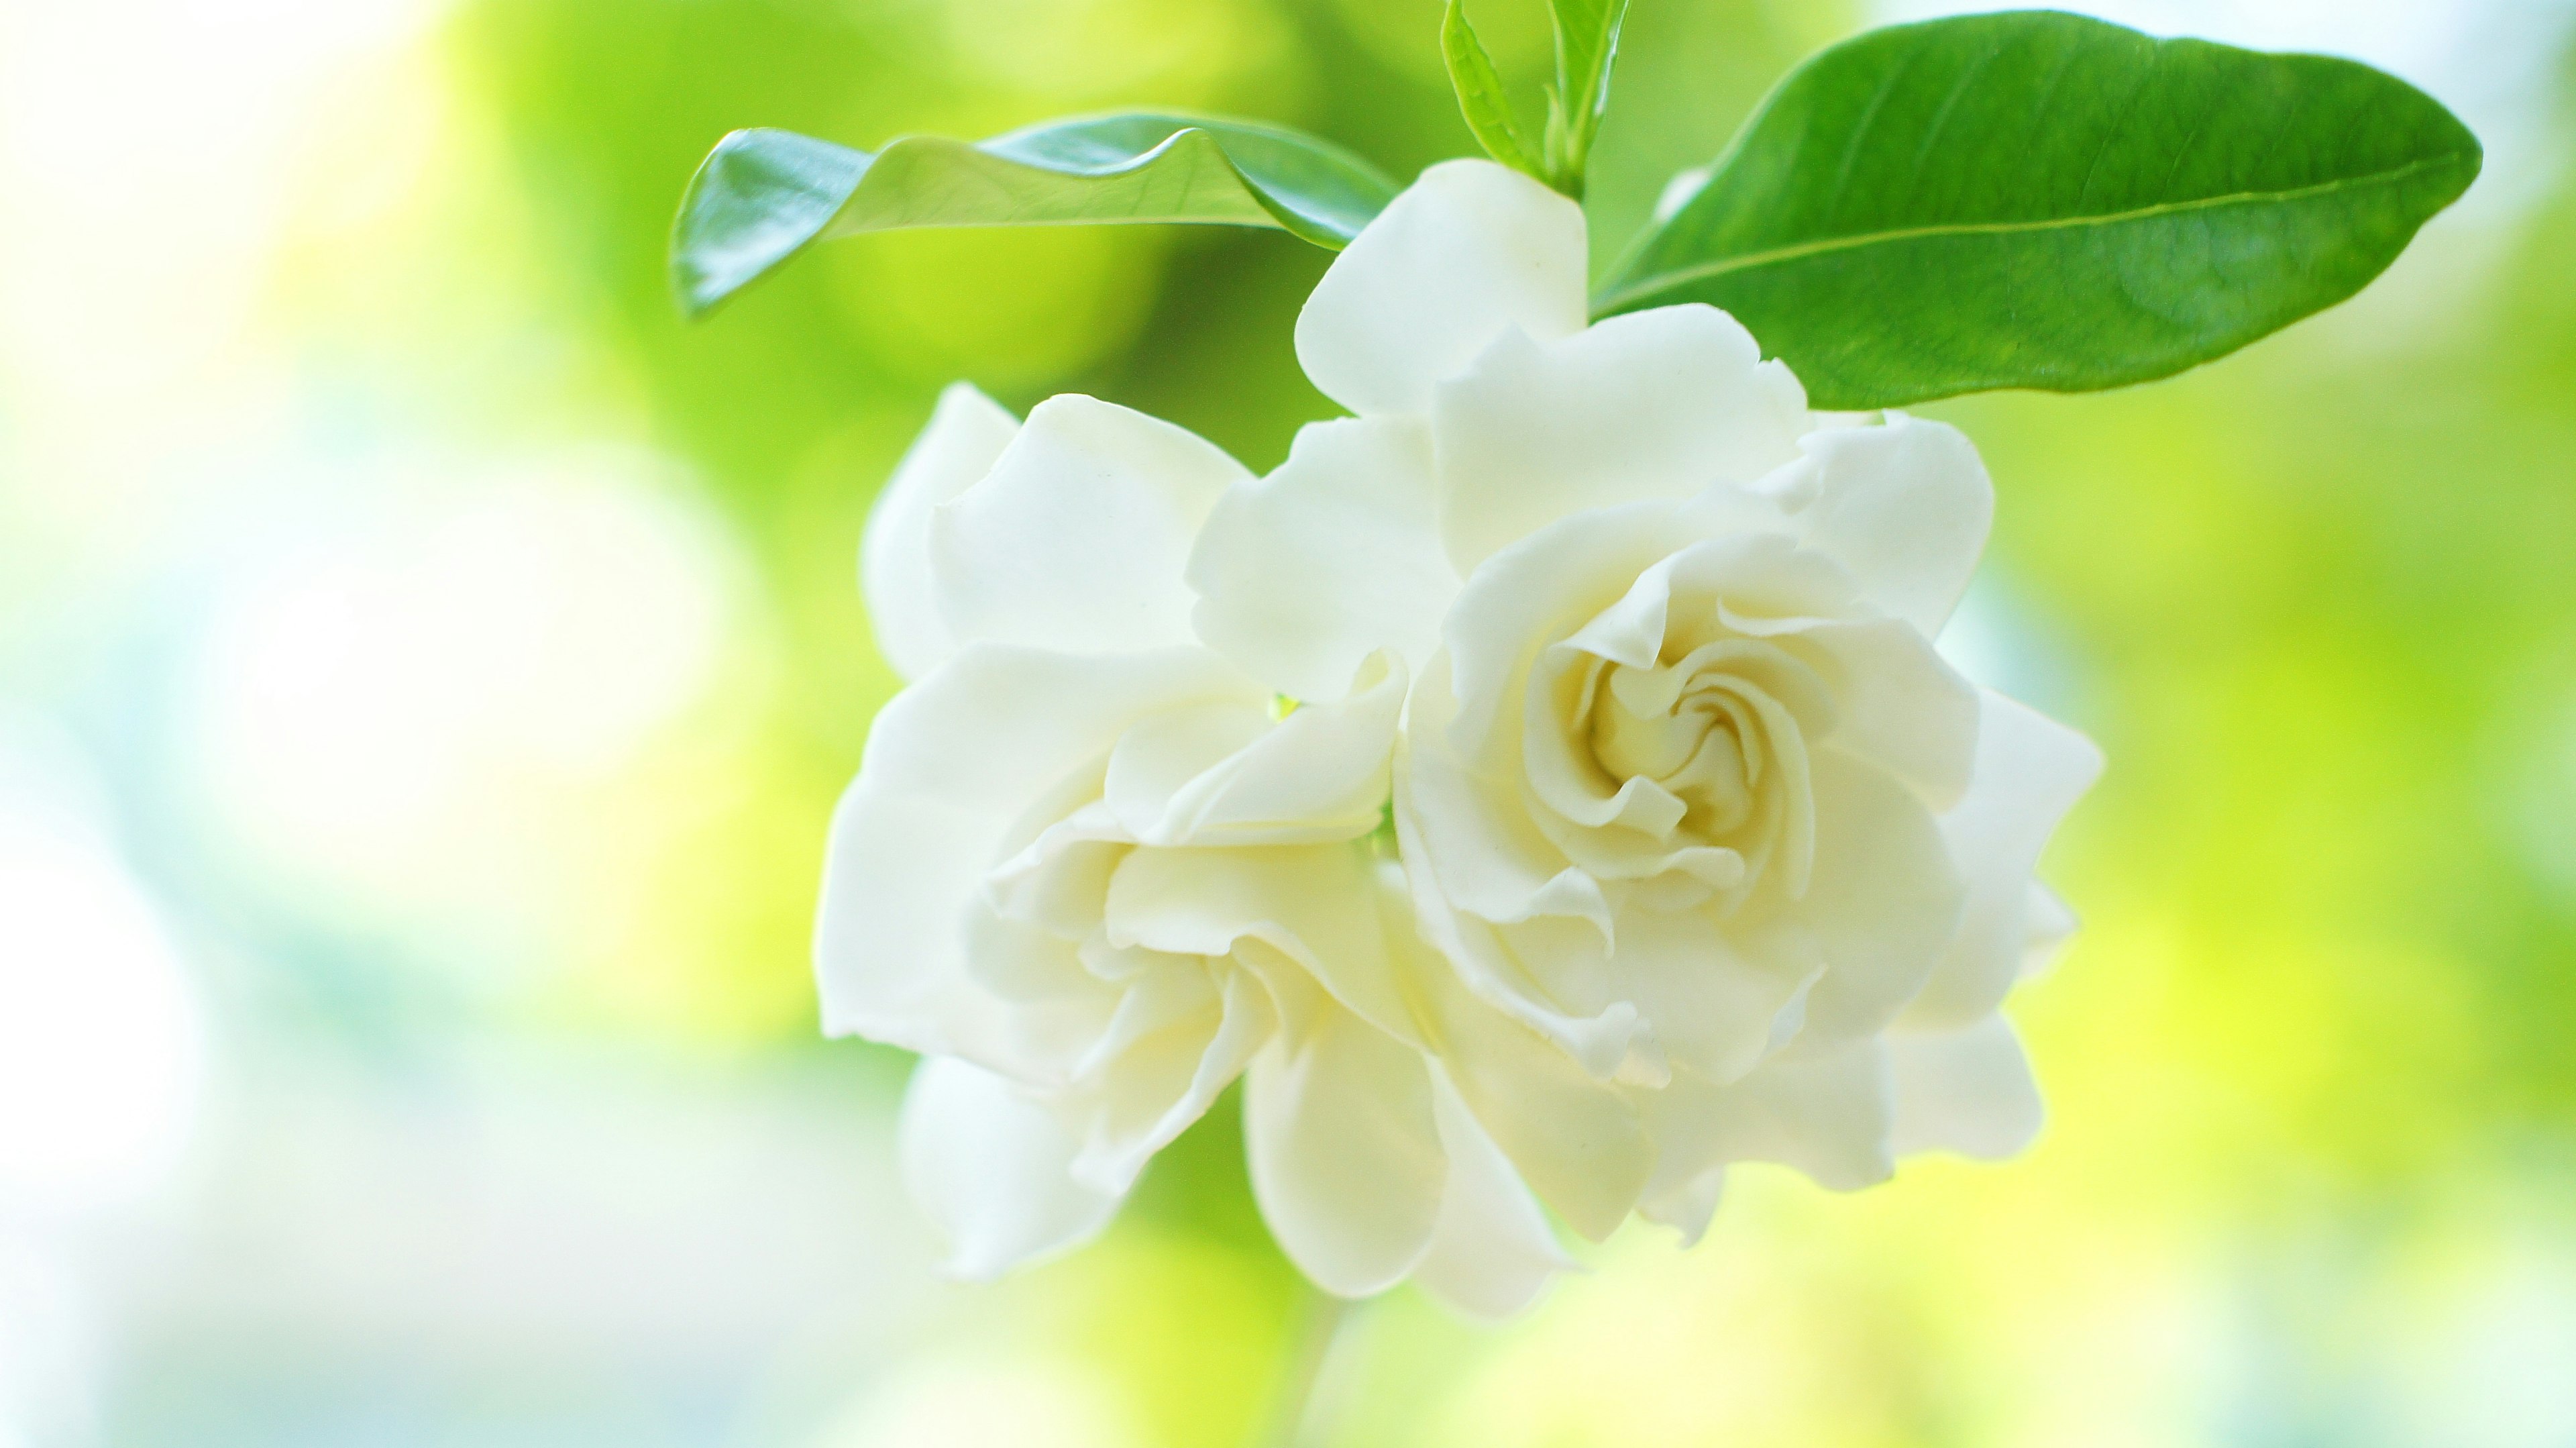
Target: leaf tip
[[757, 199]]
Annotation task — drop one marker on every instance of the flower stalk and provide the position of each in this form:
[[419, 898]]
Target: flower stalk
[[1293, 1419]]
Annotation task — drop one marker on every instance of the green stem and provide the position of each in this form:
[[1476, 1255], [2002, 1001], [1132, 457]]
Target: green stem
[[1290, 1421]]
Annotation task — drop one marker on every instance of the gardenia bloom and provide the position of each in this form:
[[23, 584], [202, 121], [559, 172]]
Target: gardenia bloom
[[1685, 790], [1094, 873]]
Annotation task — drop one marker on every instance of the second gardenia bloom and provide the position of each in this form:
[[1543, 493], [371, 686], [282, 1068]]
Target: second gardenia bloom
[[1095, 874]]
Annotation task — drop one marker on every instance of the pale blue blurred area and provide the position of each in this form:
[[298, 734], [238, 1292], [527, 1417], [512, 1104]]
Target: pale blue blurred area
[[2499, 64], [426, 669]]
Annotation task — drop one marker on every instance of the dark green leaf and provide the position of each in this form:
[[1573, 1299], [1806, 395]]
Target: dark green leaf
[[2039, 200], [1587, 42], [762, 196], [1480, 94]]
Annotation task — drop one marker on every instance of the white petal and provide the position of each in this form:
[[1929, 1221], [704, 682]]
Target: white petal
[[964, 438], [1151, 1081], [1466, 251], [1521, 928], [1575, 1139], [2030, 771], [2048, 922], [1657, 404], [1905, 506], [1078, 538], [998, 725], [1308, 571], [1535, 944], [1710, 988], [1488, 857], [1541, 590], [1530, 1067], [952, 765], [1883, 903], [1323, 773], [1052, 997], [1687, 1205], [1492, 1250], [890, 936], [1161, 756], [1345, 1153], [1731, 554], [1825, 1114], [1966, 1091], [1900, 705], [987, 1166], [1315, 904]]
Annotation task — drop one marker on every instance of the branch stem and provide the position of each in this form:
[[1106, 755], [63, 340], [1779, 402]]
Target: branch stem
[[1291, 1421]]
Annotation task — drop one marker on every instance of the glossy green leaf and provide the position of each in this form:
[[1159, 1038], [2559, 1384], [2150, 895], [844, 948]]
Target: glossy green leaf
[[1587, 42], [762, 196], [2039, 200], [1480, 94]]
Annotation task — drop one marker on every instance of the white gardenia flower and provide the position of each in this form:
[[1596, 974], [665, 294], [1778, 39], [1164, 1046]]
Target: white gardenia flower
[[1093, 873], [1685, 788]]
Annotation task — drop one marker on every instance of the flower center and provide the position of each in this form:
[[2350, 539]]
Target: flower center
[[1719, 737], [1699, 741]]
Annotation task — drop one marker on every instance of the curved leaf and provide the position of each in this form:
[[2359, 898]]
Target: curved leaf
[[762, 196], [2039, 200], [1480, 95]]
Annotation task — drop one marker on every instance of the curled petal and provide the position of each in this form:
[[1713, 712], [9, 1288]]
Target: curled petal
[[1334, 556], [1883, 903], [964, 438], [988, 1167], [1968, 1091], [1827, 1114], [1573, 1137], [1657, 404], [1468, 250], [1899, 704], [1542, 589], [1162, 756], [1177, 1042], [1686, 1205], [952, 765], [1459, 813], [890, 941], [1078, 537], [1535, 945], [2030, 771], [1320, 774], [2048, 922], [1316, 905], [1905, 506], [1709, 987], [1492, 1250], [1345, 1152], [1751, 576]]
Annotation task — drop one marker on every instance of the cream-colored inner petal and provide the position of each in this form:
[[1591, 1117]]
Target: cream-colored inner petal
[[1686, 776]]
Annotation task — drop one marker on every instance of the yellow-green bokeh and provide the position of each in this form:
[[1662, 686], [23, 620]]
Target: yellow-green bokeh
[[2310, 1176]]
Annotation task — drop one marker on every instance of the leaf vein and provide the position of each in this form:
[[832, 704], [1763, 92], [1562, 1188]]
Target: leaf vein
[[1822, 246]]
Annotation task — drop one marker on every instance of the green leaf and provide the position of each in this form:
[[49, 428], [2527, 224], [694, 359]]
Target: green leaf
[[1587, 42], [762, 196], [2039, 200], [1480, 94]]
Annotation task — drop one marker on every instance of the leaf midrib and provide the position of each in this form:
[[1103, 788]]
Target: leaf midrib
[[1826, 245]]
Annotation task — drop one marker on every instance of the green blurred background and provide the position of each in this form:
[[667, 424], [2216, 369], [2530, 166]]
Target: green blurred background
[[426, 668]]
